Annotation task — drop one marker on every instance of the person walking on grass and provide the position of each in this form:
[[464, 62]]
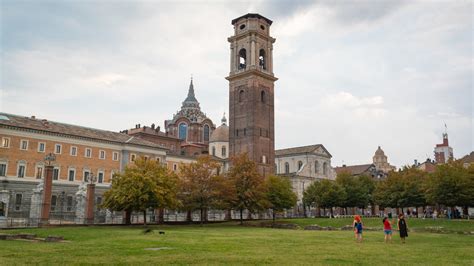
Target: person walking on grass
[[402, 227], [357, 224], [387, 230]]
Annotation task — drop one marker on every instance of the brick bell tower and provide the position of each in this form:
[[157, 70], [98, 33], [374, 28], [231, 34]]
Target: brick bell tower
[[251, 91]]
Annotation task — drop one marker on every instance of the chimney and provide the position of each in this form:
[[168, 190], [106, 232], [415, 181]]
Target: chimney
[[158, 128], [416, 162], [153, 126]]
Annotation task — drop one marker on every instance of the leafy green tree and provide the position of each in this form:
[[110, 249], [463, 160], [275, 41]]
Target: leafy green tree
[[451, 185], [143, 184], [200, 186], [324, 194], [358, 190], [247, 185], [280, 194]]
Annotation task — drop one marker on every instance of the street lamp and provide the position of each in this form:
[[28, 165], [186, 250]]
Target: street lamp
[[49, 158], [92, 179]]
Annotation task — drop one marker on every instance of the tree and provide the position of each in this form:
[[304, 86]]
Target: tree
[[324, 194], [143, 184], [358, 190], [200, 186], [451, 185], [280, 194], [247, 186]]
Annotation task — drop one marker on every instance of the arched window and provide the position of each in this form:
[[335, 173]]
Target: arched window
[[262, 60], [287, 168], [242, 58], [262, 96], [2, 208], [213, 151], [241, 96], [264, 159], [325, 168], [224, 151], [183, 131], [300, 165], [316, 167], [206, 133]]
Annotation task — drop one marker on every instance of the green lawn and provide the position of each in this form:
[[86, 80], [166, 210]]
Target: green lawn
[[233, 244]]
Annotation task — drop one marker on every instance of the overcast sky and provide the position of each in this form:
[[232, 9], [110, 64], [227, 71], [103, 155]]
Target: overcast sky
[[353, 75]]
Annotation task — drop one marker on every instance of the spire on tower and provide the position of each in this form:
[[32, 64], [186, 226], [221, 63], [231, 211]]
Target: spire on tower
[[191, 97], [224, 120]]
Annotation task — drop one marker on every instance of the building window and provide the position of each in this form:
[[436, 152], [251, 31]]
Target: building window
[[242, 58], [88, 153], [73, 151], [102, 155], [39, 172], [133, 157], [183, 131], [41, 146], [245, 132], [287, 168], [98, 200], [54, 202], [5, 142], [264, 159], [213, 151], [316, 167], [175, 167], [86, 175], [145, 158], [206, 132], [115, 156], [18, 199], [100, 177], [325, 168], [3, 169], [300, 165], [56, 173], [69, 203], [262, 96], [241, 96], [261, 59], [112, 173], [57, 148], [157, 160], [21, 170], [224, 151], [71, 175], [24, 145]]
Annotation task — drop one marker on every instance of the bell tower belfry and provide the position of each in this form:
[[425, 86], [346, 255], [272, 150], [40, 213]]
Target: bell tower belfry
[[251, 91]]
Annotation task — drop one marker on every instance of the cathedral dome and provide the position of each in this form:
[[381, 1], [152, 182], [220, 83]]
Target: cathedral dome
[[221, 134], [379, 152]]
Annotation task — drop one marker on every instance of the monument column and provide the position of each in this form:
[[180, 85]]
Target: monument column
[[90, 196], [47, 190]]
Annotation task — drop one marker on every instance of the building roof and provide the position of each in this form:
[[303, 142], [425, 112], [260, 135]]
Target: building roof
[[468, 158], [379, 152], [354, 169], [252, 15], [300, 150], [52, 127], [221, 134]]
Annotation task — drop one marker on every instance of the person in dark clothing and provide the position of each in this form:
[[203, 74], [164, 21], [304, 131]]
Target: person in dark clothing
[[402, 228]]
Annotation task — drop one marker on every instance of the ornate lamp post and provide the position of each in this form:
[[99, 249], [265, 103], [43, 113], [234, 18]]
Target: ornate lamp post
[[47, 188], [90, 198]]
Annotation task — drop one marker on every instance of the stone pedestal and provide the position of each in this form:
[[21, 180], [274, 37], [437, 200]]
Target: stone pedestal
[[4, 200], [47, 190], [81, 204], [36, 204], [90, 199]]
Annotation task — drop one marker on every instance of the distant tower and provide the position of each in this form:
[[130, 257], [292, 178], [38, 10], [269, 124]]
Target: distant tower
[[381, 162], [443, 152], [251, 91]]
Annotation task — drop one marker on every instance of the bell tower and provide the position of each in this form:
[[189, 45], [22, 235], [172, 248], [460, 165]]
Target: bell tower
[[251, 91]]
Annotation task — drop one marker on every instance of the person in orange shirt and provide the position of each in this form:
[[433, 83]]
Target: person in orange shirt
[[357, 224]]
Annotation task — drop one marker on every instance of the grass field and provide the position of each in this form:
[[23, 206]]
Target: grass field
[[233, 244]]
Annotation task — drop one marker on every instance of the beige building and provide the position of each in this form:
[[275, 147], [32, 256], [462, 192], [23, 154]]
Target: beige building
[[381, 162], [303, 166], [219, 142]]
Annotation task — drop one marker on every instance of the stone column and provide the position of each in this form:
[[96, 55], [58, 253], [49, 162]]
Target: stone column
[[90, 198], [47, 190], [81, 203], [36, 204], [4, 200]]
